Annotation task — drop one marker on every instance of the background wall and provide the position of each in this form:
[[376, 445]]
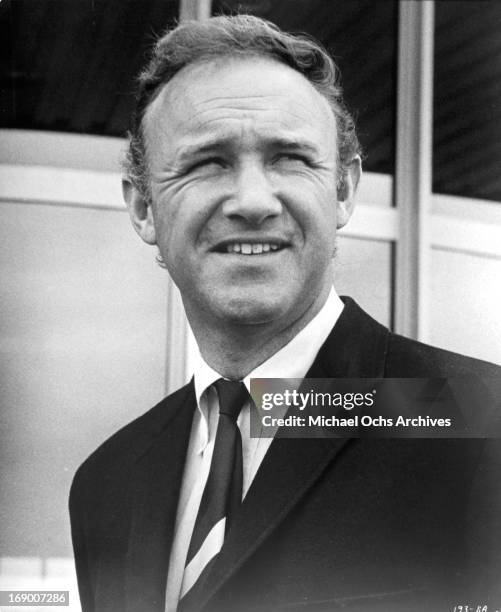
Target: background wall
[[83, 338], [83, 351]]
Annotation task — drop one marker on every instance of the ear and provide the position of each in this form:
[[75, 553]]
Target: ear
[[140, 211], [347, 188]]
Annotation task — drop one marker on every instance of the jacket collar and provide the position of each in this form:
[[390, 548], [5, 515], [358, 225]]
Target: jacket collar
[[356, 347]]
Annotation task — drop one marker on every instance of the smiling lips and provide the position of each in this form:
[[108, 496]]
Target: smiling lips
[[256, 248]]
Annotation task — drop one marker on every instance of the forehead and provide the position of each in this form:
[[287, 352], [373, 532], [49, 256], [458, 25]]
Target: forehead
[[228, 95]]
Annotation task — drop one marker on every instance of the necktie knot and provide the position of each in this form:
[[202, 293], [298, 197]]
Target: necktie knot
[[232, 396]]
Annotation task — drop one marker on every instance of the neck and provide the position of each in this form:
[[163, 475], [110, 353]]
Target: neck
[[221, 346]]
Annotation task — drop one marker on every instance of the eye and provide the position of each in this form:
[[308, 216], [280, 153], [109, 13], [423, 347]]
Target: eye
[[208, 163], [292, 159]]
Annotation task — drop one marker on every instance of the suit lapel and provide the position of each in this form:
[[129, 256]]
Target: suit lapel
[[356, 348], [153, 495]]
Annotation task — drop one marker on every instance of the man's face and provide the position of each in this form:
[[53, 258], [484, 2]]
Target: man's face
[[242, 156]]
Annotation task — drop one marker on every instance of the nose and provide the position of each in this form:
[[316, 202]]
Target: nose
[[254, 198]]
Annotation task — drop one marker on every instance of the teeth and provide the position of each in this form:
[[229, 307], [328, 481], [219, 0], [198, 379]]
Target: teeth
[[246, 248]]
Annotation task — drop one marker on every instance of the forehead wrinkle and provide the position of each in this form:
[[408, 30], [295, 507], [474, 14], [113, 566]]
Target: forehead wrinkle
[[234, 131], [290, 112], [237, 97], [235, 103], [236, 127], [280, 121], [238, 102]]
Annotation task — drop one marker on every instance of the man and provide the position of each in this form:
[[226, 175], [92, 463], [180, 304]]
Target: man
[[243, 163]]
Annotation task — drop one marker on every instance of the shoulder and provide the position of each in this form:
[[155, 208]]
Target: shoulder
[[111, 461], [409, 358], [374, 351]]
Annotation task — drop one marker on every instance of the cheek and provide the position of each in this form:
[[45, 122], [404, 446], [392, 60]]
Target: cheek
[[316, 215], [168, 235], [179, 229], [170, 219]]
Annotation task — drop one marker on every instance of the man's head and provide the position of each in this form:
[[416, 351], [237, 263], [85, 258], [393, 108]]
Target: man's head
[[241, 142]]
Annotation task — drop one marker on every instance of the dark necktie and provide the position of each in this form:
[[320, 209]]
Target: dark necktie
[[222, 494]]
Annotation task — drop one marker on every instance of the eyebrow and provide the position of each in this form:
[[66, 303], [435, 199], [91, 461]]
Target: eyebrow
[[294, 144], [218, 145]]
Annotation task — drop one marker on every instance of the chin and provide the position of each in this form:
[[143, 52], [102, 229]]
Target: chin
[[247, 310]]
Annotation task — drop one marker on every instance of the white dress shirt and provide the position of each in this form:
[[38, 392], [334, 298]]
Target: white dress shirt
[[292, 361]]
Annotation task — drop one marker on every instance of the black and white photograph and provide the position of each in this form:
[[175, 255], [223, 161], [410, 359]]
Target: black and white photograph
[[250, 266]]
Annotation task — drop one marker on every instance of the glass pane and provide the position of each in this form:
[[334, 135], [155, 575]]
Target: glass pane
[[467, 95], [363, 271], [464, 310], [83, 331], [70, 65], [362, 37]]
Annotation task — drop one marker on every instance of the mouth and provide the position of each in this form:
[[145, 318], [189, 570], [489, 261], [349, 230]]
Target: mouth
[[250, 248]]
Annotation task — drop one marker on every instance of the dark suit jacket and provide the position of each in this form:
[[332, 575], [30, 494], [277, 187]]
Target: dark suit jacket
[[328, 524]]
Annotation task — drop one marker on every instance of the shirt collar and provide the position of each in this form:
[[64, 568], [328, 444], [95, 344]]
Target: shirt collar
[[291, 361]]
